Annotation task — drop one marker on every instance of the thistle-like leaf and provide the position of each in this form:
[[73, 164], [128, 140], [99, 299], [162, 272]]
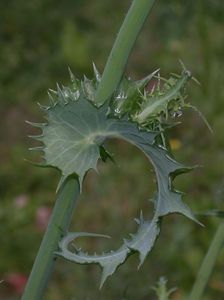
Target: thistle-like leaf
[[74, 140]]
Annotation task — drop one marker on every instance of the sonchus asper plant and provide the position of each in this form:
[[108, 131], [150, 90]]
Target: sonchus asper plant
[[81, 117]]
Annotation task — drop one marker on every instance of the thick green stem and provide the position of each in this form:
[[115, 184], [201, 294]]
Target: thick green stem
[[122, 47], [69, 192], [58, 225], [208, 264]]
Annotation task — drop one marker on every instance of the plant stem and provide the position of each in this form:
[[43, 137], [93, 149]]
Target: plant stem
[[69, 192], [122, 47], [58, 225], [208, 264]]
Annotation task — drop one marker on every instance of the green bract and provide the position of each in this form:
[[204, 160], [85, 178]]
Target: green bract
[[74, 139]]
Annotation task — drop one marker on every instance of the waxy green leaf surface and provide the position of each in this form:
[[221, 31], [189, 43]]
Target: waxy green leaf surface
[[73, 139]]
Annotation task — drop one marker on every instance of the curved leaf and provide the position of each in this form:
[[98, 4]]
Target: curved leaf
[[73, 141]]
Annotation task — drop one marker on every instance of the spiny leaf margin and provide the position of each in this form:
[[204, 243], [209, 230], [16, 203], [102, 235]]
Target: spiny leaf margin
[[74, 135]]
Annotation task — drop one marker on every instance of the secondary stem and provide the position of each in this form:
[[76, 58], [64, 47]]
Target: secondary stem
[[122, 47], [58, 225], [208, 264]]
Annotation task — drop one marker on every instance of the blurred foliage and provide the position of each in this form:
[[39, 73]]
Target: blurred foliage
[[39, 40]]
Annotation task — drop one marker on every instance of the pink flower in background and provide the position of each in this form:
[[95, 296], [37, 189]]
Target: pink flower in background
[[43, 214], [17, 281], [21, 201]]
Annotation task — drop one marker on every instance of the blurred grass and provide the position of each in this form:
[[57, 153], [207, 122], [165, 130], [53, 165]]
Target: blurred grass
[[39, 39]]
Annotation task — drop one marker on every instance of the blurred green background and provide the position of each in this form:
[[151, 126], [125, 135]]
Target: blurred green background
[[39, 39]]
